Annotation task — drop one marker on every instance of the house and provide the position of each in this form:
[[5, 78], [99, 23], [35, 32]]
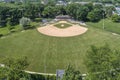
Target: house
[[61, 2], [97, 3], [1, 0], [108, 5], [82, 3], [117, 10], [44, 1], [8, 0]]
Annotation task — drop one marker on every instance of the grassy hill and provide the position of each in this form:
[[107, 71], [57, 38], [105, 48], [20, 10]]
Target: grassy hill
[[109, 25], [53, 52]]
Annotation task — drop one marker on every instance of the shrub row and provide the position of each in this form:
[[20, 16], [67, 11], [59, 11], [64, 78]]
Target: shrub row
[[42, 77]]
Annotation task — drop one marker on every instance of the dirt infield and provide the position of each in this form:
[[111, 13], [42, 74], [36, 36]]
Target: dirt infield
[[51, 30]]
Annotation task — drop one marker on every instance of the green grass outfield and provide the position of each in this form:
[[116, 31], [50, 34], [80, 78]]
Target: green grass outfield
[[54, 52]]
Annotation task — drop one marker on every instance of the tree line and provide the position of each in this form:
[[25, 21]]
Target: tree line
[[88, 12]]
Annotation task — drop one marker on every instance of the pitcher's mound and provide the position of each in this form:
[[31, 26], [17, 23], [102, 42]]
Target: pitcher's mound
[[73, 30]]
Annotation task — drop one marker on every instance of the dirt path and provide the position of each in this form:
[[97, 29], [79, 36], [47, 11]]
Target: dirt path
[[30, 72]]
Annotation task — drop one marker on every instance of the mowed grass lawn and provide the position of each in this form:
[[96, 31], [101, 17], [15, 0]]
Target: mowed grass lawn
[[46, 54], [109, 25]]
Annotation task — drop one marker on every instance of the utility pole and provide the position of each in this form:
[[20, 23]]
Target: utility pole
[[103, 14], [103, 21], [45, 1]]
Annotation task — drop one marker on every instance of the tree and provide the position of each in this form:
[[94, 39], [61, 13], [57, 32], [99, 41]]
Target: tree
[[71, 10], [33, 11], [82, 13], [60, 10], [49, 12], [25, 22], [115, 18], [91, 16], [14, 69], [79, 12], [72, 74], [14, 16], [95, 15], [3, 15], [109, 11], [103, 63]]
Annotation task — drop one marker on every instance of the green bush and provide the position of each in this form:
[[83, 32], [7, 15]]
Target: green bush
[[115, 18], [19, 3], [25, 22], [95, 15], [38, 19], [42, 77], [1, 35]]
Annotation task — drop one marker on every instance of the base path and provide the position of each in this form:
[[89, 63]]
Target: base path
[[73, 30]]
